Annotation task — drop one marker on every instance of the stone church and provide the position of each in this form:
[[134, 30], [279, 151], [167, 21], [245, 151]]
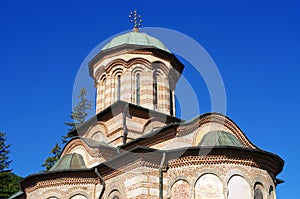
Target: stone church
[[136, 147]]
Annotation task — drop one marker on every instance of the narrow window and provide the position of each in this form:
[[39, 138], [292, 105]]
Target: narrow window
[[138, 89], [258, 192], [155, 90], [171, 103], [103, 98], [118, 87]]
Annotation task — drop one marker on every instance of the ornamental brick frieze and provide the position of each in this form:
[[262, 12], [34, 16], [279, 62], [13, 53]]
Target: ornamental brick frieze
[[236, 158], [60, 179]]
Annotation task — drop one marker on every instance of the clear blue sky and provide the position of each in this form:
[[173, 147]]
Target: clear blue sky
[[255, 44]]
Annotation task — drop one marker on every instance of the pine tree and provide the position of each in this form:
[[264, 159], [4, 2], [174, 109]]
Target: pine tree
[[4, 151], [9, 182], [50, 161], [78, 116]]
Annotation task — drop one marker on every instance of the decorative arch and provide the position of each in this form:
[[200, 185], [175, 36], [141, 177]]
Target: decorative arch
[[209, 185], [115, 194], [136, 61], [52, 193], [78, 196], [238, 188], [115, 64], [160, 66], [80, 147], [180, 189], [114, 188], [99, 127], [152, 123], [259, 191]]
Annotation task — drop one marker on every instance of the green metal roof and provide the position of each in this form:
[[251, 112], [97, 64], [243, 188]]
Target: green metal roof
[[69, 161], [220, 138], [135, 38]]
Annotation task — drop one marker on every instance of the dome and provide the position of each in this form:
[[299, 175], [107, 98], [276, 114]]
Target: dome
[[220, 138], [135, 38], [69, 161]]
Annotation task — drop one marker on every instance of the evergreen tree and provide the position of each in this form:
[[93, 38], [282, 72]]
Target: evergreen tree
[[9, 182], [4, 151], [78, 116], [50, 161]]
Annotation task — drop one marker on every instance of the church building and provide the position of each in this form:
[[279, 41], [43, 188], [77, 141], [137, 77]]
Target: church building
[[135, 146]]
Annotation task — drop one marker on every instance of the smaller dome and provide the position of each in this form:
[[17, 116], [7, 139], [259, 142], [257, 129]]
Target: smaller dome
[[220, 138], [69, 161], [135, 38]]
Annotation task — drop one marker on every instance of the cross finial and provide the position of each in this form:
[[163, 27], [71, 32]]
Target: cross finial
[[136, 19]]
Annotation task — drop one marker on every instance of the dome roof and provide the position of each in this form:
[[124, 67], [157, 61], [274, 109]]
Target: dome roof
[[135, 38], [220, 138], [69, 161]]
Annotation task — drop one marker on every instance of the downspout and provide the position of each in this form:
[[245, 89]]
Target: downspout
[[161, 184], [102, 183]]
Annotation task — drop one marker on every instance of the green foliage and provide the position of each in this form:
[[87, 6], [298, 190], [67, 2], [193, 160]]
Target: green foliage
[[4, 151], [9, 184], [50, 161], [78, 116]]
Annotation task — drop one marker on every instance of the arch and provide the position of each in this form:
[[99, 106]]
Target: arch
[[100, 127], [180, 190], [52, 197], [78, 196], [117, 63], [259, 191], [238, 188], [137, 61], [153, 123], [116, 187], [115, 194], [209, 186], [160, 66]]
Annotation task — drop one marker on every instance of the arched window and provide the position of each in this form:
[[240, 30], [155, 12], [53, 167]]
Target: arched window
[[258, 192], [209, 186], [103, 90], [118, 87], [180, 190], [138, 88], [116, 197], [155, 95], [238, 188]]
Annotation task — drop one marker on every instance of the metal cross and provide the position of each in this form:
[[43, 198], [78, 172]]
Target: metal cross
[[136, 19]]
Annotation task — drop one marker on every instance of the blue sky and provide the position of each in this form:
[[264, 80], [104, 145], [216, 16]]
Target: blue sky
[[255, 45]]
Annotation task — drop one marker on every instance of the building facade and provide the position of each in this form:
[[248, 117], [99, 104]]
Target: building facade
[[136, 147]]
